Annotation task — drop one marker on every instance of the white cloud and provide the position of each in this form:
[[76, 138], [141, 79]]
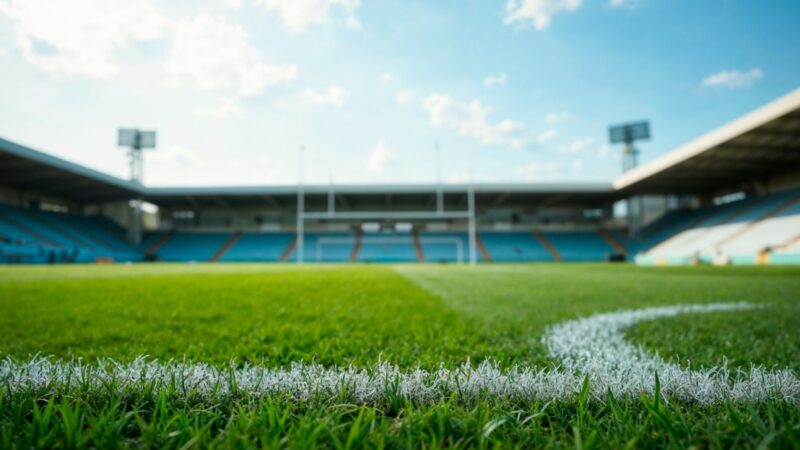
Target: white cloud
[[235, 4], [388, 78], [298, 14], [537, 171], [625, 3], [470, 119], [459, 178], [80, 38], [333, 95], [176, 155], [602, 152], [538, 13], [577, 166], [228, 107], [495, 80], [580, 144], [733, 78], [213, 54], [353, 23], [556, 117], [404, 97], [546, 136], [381, 154]]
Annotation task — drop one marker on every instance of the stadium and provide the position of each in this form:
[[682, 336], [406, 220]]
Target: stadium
[[729, 197], [529, 295]]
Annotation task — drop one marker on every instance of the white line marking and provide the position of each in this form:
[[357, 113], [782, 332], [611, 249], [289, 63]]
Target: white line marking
[[593, 346], [596, 346]]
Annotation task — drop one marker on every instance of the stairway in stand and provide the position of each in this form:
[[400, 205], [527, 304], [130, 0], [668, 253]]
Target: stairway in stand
[[356, 246], [613, 242], [417, 245], [226, 246], [547, 245], [151, 251]]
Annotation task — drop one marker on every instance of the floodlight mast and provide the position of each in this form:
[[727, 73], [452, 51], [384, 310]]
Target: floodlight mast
[[630, 156], [136, 140], [628, 134]]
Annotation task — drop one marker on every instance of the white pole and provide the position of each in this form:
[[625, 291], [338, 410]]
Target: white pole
[[472, 232], [331, 198], [137, 165], [439, 193], [300, 208]]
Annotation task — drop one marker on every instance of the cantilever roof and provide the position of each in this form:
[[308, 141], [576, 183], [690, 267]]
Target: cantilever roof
[[31, 170], [360, 196], [762, 142]]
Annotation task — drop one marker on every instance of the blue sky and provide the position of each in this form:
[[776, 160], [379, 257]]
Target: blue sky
[[512, 90]]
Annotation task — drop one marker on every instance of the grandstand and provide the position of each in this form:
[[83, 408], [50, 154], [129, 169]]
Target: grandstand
[[731, 196]]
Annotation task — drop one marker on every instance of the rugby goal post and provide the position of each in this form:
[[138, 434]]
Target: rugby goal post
[[457, 243], [439, 214]]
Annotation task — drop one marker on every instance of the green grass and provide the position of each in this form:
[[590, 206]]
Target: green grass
[[411, 316]]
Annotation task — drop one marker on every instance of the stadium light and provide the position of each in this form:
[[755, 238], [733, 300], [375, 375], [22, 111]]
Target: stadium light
[[627, 134], [136, 140]]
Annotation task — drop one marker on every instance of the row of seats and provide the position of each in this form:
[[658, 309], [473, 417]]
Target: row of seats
[[385, 247], [739, 232], [35, 236]]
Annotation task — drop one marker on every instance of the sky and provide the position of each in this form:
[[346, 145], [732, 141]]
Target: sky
[[507, 90]]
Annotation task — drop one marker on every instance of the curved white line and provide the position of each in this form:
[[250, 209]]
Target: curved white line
[[593, 346], [596, 346]]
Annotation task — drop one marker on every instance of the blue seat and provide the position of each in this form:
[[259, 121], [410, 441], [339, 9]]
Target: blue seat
[[267, 247], [579, 245], [514, 246]]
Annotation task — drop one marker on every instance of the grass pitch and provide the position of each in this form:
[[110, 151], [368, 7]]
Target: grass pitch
[[409, 316]]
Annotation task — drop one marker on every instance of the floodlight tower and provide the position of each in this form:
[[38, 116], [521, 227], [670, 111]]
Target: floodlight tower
[[136, 141], [627, 134]]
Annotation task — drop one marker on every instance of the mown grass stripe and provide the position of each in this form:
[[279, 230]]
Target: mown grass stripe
[[591, 349]]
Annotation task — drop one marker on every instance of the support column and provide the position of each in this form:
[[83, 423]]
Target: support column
[[135, 225], [473, 257], [635, 215], [301, 219], [137, 176], [300, 223]]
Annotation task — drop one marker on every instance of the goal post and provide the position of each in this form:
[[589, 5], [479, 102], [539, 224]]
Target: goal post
[[468, 215], [323, 242]]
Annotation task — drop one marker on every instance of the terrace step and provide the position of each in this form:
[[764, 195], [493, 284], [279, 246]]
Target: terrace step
[[750, 225], [612, 241], [725, 221], [289, 249], [356, 246], [159, 243], [482, 248], [27, 230], [788, 243], [417, 246], [226, 246], [547, 245], [677, 234], [68, 233]]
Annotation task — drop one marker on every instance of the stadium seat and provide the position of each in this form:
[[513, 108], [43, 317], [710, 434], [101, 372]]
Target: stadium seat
[[513, 246]]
